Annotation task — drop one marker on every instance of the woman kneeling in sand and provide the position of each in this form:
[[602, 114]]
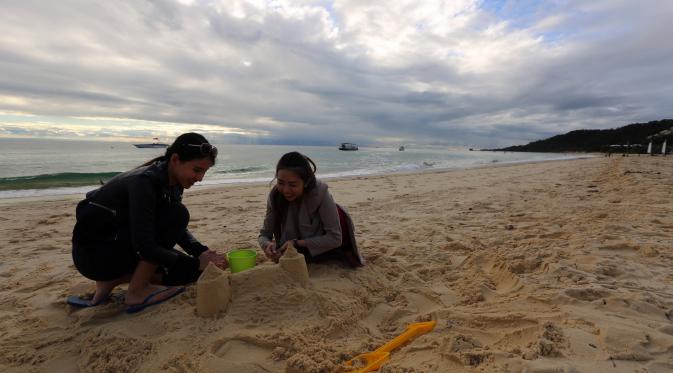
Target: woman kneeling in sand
[[301, 210], [126, 229]]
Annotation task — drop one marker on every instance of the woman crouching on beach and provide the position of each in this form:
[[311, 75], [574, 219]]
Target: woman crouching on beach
[[126, 229], [300, 210]]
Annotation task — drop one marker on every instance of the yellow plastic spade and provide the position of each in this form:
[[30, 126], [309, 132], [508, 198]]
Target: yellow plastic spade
[[371, 361]]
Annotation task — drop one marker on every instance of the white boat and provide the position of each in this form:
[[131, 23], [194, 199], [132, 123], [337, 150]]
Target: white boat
[[154, 144], [348, 146]]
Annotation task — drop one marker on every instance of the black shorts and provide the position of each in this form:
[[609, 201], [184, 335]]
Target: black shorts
[[105, 261], [110, 261], [110, 258]]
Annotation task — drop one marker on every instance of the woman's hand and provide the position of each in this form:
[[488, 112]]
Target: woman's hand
[[283, 248], [271, 252], [210, 256]]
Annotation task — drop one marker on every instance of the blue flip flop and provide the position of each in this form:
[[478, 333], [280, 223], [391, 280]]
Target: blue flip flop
[[85, 301], [148, 302]]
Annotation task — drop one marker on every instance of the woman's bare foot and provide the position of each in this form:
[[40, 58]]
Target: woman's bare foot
[[141, 290], [104, 288]]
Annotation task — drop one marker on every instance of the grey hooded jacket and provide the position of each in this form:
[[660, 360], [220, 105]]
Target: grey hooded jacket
[[313, 218]]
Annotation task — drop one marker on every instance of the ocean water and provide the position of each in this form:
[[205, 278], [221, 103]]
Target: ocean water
[[30, 167]]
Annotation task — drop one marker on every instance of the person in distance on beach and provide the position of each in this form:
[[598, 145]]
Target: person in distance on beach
[[301, 210], [126, 230]]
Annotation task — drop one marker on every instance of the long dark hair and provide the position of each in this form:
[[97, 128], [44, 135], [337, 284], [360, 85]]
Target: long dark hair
[[305, 168], [186, 146], [301, 165]]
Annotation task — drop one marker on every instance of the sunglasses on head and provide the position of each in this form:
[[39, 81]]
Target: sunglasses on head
[[205, 149]]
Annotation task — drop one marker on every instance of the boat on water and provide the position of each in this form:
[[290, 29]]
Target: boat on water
[[154, 144], [401, 148], [348, 146]]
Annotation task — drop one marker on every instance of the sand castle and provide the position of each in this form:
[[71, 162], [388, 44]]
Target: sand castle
[[216, 288], [213, 291], [295, 265]]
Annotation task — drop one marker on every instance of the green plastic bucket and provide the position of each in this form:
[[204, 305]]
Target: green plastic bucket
[[241, 259]]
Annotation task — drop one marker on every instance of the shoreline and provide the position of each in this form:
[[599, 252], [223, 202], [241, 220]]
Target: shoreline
[[203, 187]]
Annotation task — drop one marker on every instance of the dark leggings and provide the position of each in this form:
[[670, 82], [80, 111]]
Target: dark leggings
[[107, 261]]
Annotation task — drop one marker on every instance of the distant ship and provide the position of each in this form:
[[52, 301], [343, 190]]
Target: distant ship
[[401, 148], [348, 146], [155, 144]]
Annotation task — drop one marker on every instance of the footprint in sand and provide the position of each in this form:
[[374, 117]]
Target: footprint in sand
[[423, 303], [610, 270], [182, 363], [239, 350], [504, 280], [466, 350], [615, 228], [619, 246], [627, 343], [527, 265], [237, 355], [557, 234], [587, 294]]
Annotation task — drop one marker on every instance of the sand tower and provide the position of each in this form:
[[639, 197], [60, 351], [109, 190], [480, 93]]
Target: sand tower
[[293, 262], [213, 291]]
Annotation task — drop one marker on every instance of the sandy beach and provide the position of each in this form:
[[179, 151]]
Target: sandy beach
[[560, 266]]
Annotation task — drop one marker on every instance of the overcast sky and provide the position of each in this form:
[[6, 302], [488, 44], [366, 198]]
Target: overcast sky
[[455, 72]]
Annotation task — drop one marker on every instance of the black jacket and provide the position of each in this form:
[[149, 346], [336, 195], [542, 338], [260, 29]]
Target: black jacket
[[126, 209]]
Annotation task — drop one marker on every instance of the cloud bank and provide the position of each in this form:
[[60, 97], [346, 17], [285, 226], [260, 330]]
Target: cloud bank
[[462, 72]]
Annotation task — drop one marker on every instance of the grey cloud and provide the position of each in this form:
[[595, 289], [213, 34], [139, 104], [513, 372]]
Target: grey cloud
[[163, 13], [162, 61]]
